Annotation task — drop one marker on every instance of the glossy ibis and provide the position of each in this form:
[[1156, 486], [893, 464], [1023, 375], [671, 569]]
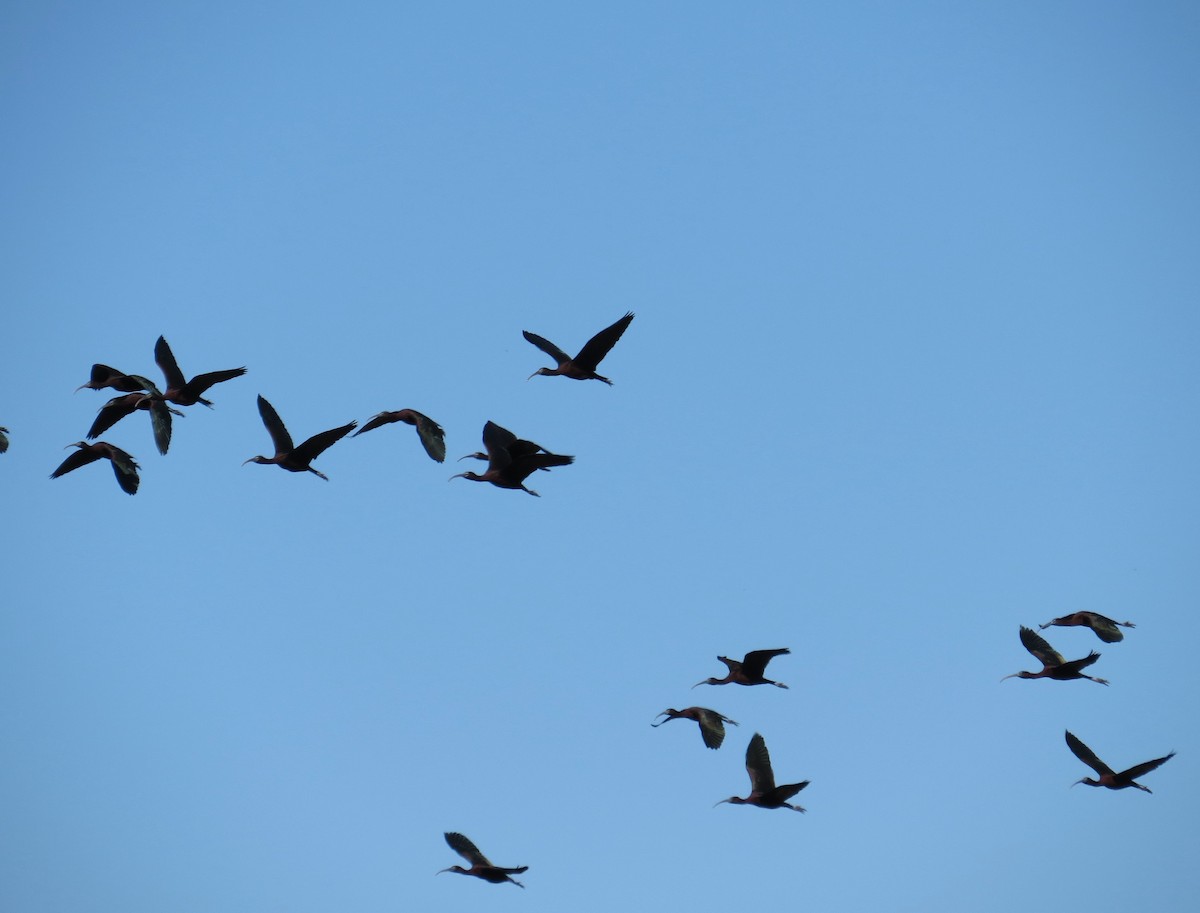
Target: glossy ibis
[[509, 462], [105, 376], [120, 406], [1053, 665], [123, 464], [1108, 777], [763, 791], [749, 671], [3, 440], [180, 390], [287, 455], [1106, 629], [433, 438], [582, 366], [712, 728], [518, 448], [481, 866]]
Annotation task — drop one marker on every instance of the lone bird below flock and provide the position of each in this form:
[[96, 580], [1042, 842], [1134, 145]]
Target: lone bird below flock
[[582, 366], [1105, 628], [287, 455], [763, 791], [180, 390], [481, 866], [711, 723], [511, 461], [1108, 777], [749, 671], [1053, 665], [124, 467], [433, 438]]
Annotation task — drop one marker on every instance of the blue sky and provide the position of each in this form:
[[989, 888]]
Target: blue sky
[[914, 364]]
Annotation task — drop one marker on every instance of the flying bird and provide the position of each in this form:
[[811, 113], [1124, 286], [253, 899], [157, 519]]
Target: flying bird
[[120, 406], [180, 390], [287, 455], [105, 376], [712, 728], [481, 866], [582, 366], [124, 467], [1108, 777], [1106, 629], [763, 791], [1053, 665], [749, 671], [433, 438], [3, 440], [510, 462]]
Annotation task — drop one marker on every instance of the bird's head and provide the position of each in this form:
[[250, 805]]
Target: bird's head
[[474, 477], [732, 800], [707, 681], [257, 459], [79, 444], [669, 714], [1020, 675], [544, 372], [1088, 780], [477, 455], [453, 868]]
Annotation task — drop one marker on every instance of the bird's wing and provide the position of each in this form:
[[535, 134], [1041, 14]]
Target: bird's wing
[[1144, 768], [165, 359], [598, 346], [466, 849], [1086, 755], [125, 469], [1077, 664], [319, 443], [160, 423], [1037, 645], [712, 729], [523, 467], [144, 383], [758, 765], [785, 792], [202, 382], [1106, 629], [548, 347], [496, 441], [112, 412], [80, 457], [755, 663], [279, 434], [433, 438], [378, 420]]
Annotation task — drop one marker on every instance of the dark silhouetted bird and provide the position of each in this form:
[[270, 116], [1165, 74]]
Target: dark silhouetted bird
[[180, 390], [481, 866], [509, 461], [763, 791], [120, 406], [3, 440], [104, 376], [1108, 777], [287, 455], [749, 671], [433, 438], [1106, 629], [582, 366], [124, 467], [1053, 665], [712, 728]]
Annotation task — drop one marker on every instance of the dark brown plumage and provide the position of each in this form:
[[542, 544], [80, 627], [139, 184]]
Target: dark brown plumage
[[749, 671], [1108, 777], [105, 376], [582, 366], [712, 728], [763, 791], [511, 461], [433, 438], [287, 455], [124, 466], [1053, 665], [481, 866], [120, 406], [1105, 628], [180, 390]]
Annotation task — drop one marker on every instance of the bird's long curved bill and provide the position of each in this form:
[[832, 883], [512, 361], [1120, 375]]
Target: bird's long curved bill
[[1011, 675], [458, 475], [531, 376], [722, 802]]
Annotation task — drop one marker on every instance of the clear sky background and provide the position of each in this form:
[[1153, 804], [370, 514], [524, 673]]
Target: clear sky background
[[914, 363]]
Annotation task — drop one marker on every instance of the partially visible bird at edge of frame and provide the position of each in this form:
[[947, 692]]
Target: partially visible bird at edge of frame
[[763, 791], [481, 866], [510, 463], [287, 455], [582, 366], [3, 440], [180, 390], [712, 728], [1053, 664], [433, 438], [749, 671], [1108, 777], [1105, 628], [124, 466]]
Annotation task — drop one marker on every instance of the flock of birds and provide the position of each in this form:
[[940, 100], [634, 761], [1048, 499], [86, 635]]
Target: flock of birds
[[511, 460], [1063, 670]]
